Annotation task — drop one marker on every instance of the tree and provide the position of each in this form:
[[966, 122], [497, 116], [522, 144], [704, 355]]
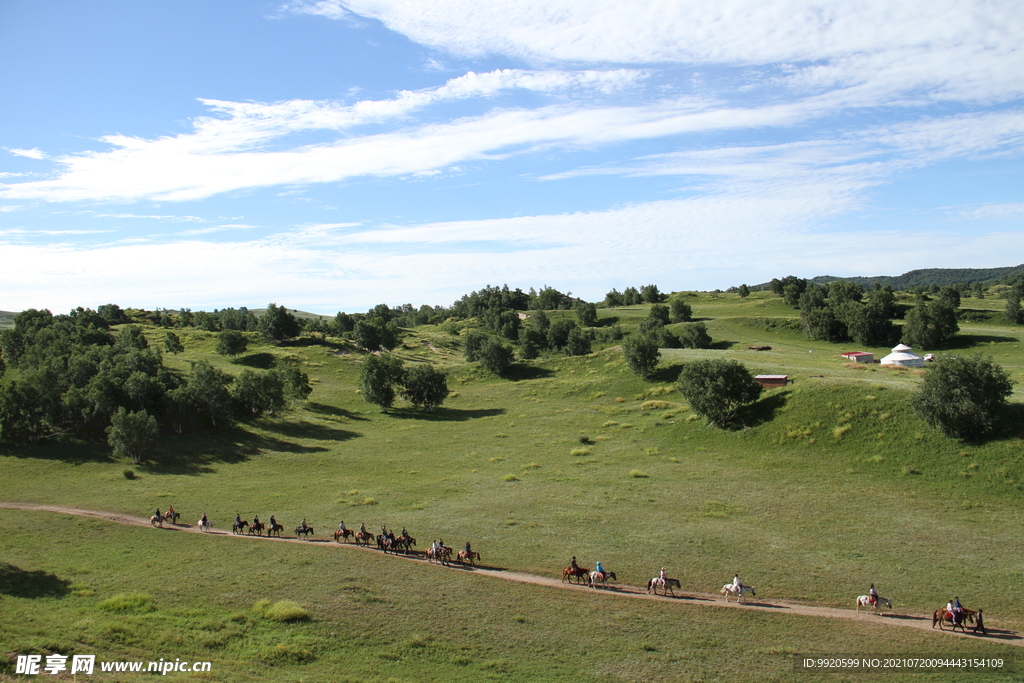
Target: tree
[[472, 344], [277, 324], [374, 333], [715, 389], [679, 311], [131, 337], [929, 325], [259, 392], [586, 314], [1014, 313], [950, 296], [131, 433], [964, 396], [558, 333], [425, 387], [744, 291], [296, 384], [659, 312], [641, 353], [695, 336], [378, 378], [495, 356], [206, 393], [578, 343], [231, 343], [172, 344], [613, 298], [650, 294]]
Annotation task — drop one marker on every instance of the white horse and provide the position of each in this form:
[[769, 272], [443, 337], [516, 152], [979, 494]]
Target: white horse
[[205, 526], [865, 602], [729, 589], [157, 520], [597, 577]]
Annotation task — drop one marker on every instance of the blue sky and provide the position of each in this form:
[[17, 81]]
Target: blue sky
[[331, 155]]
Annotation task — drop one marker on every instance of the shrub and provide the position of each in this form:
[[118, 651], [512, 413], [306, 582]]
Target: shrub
[[715, 389], [637, 474], [510, 477], [283, 655], [128, 602], [286, 610], [964, 396], [129, 474]]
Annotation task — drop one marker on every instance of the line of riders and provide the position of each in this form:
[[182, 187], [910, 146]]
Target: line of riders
[[386, 540], [954, 613]]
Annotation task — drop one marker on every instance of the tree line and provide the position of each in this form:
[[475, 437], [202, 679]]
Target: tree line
[[72, 374]]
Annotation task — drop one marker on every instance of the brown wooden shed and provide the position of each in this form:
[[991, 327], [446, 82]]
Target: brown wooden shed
[[772, 381]]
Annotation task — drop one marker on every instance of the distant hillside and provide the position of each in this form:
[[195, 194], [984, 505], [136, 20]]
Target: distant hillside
[[930, 276], [6, 320]]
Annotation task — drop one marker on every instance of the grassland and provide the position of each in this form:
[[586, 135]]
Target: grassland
[[831, 483]]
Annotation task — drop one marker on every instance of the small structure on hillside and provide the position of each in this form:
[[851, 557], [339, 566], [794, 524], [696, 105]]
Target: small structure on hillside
[[772, 381], [902, 355], [859, 356]]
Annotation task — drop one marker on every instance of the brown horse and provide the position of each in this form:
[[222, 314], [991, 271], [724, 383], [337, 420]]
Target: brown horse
[[943, 616], [470, 556], [275, 529], [239, 527], [340, 535], [443, 555], [364, 537], [257, 528], [579, 574]]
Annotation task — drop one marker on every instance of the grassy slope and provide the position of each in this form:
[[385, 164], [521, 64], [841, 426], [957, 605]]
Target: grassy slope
[[812, 502]]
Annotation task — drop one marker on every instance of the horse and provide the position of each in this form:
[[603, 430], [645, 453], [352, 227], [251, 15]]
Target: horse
[[238, 527], [568, 573], [470, 556], [172, 517], [666, 585], [275, 529], [340, 535], [257, 528], [596, 576], [865, 602], [405, 543], [303, 531], [728, 589], [443, 555], [364, 537], [944, 616], [205, 526], [157, 520]]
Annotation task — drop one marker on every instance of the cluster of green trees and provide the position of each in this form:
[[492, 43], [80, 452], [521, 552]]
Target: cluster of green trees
[[632, 296], [382, 377], [71, 374]]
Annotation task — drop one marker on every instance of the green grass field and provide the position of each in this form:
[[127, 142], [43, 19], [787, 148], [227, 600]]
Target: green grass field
[[831, 483]]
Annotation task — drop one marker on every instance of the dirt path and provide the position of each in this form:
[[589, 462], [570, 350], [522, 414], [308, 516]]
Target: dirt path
[[922, 622]]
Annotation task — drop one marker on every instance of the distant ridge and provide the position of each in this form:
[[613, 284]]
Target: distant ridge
[[926, 277]]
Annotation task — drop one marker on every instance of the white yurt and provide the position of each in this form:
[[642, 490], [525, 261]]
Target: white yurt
[[902, 355]]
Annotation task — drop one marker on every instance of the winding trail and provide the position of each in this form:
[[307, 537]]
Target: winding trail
[[922, 622]]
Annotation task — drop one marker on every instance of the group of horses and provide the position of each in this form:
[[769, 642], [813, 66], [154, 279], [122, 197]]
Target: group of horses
[[595, 579], [389, 542]]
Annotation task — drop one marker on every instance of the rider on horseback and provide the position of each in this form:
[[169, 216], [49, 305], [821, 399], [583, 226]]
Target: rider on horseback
[[157, 514], [598, 568], [303, 525], [204, 521], [341, 527], [238, 520], [170, 513], [469, 551], [273, 522], [736, 582], [575, 567], [873, 595], [362, 528]]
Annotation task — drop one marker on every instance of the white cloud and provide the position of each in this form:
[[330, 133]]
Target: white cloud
[[953, 49], [30, 153], [988, 211]]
